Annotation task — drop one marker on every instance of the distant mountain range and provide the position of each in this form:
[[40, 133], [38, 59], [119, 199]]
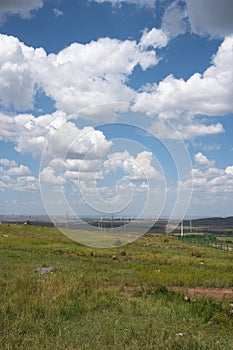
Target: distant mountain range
[[212, 222], [160, 225]]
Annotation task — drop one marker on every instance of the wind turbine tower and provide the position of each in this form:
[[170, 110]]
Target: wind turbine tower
[[182, 229]]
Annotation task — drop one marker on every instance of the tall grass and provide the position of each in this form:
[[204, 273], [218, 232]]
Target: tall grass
[[84, 305]]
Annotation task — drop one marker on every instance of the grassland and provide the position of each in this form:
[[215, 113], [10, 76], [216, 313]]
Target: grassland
[[130, 297]]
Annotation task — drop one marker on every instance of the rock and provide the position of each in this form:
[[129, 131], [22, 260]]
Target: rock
[[45, 270], [28, 222]]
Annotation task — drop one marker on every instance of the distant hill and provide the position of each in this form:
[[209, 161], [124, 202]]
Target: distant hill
[[212, 222], [215, 224]]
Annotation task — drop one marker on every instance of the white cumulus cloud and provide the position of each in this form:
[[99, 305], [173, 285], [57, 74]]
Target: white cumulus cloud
[[7, 163], [31, 134], [174, 21], [207, 94], [18, 64], [202, 161], [48, 175], [155, 38], [18, 171], [229, 170], [16, 177], [78, 77], [135, 168], [93, 74]]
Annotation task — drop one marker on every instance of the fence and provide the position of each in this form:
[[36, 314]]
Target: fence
[[209, 241]]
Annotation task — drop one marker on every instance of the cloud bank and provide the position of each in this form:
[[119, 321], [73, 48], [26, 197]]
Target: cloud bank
[[211, 17]]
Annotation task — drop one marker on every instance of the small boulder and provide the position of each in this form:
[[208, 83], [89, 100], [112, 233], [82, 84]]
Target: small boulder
[[45, 270]]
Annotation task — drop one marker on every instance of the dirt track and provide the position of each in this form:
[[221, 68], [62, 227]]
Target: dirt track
[[212, 292]]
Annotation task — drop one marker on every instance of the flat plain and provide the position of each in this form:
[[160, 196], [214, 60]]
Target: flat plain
[[156, 293]]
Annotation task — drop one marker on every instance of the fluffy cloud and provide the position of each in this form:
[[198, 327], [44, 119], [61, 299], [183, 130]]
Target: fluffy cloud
[[82, 169], [211, 17], [21, 183], [89, 180], [70, 142], [174, 21], [18, 64], [186, 129], [96, 72], [212, 180], [7, 163], [86, 176], [18, 171], [229, 170], [10, 168], [93, 74], [48, 175], [155, 38], [29, 133], [139, 168], [16, 177], [84, 165], [64, 138], [208, 94], [202, 161], [135, 168], [22, 7]]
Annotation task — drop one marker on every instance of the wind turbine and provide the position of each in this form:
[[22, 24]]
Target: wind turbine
[[182, 229]]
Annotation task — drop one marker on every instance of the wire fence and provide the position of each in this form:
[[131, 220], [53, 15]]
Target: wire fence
[[225, 243]]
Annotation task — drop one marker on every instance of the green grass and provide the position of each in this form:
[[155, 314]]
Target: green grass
[[84, 305]]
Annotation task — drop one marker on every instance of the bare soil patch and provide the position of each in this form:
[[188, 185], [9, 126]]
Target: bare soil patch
[[212, 292]]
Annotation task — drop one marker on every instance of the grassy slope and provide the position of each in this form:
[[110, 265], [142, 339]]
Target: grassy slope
[[82, 306]]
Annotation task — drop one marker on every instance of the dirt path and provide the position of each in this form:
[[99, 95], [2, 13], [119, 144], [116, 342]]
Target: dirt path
[[209, 292], [212, 292]]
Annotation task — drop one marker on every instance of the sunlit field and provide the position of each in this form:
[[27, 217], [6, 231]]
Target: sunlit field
[[158, 292]]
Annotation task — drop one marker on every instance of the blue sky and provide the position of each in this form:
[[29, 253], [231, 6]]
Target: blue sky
[[120, 107]]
